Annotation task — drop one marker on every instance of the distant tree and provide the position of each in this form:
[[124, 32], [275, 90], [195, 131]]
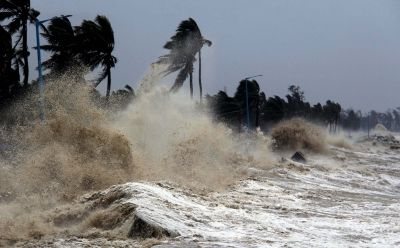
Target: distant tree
[[225, 109], [296, 93], [351, 120], [296, 105], [317, 113], [262, 103], [20, 13], [96, 42], [266, 112], [331, 114], [396, 117], [275, 109], [337, 109], [253, 92], [183, 47]]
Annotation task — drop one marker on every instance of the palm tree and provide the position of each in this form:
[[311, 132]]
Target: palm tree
[[62, 44], [253, 93], [184, 46], [20, 12], [96, 39], [61, 40], [225, 109], [275, 109]]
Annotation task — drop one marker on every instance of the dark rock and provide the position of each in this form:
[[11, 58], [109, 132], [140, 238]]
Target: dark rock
[[395, 147], [385, 140], [142, 229], [299, 157]]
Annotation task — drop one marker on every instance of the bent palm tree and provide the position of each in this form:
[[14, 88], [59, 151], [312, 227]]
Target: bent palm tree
[[184, 46], [62, 44], [96, 39], [20, 12]]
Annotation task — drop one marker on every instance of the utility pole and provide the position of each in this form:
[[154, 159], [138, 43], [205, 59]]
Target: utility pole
[[368, 123], [247, 101]]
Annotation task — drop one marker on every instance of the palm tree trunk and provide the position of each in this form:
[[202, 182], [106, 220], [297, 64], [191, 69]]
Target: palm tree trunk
[[191, 85], [25, 53], [200, 84], [108, 83]]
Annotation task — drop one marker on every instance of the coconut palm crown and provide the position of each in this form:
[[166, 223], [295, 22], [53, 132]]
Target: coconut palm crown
[[183, 47], [96, 39]]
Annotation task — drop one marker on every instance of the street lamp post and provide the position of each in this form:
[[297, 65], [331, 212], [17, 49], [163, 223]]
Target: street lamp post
[[369, 114], [247, 101], [39, 23], [40, 79]]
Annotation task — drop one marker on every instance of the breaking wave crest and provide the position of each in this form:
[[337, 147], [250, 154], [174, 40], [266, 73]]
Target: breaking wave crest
[[299, 134]]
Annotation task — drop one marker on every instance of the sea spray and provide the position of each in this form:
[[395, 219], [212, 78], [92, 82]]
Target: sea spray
[[152, 78], [53, 162], [81, 147], [297, 134], [179, 142]]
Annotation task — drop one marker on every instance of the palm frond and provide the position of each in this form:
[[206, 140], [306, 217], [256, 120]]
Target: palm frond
[[183, 47], [14, 25], [4, 15], [181, 77], [207, 42], [129, 89], [96, 39]]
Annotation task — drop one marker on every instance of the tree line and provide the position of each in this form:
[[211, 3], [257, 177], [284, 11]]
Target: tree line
[[265, 112], [89, 45], [356, 120]]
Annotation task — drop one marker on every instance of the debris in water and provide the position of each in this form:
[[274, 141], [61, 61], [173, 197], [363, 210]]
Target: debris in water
[[299, 157]]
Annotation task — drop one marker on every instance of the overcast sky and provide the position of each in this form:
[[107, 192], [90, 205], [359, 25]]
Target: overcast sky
[[344, 50]]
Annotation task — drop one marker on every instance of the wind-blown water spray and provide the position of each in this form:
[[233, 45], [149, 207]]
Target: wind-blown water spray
[[82, 147]]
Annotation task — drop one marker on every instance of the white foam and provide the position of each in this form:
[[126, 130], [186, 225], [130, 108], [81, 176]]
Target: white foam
[[314, 209]]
